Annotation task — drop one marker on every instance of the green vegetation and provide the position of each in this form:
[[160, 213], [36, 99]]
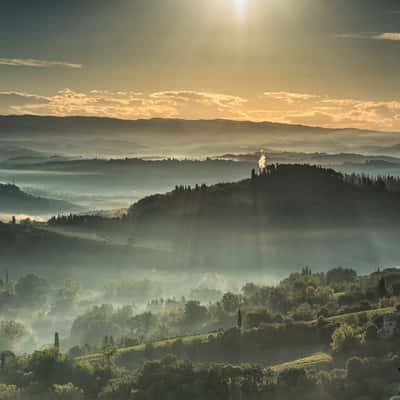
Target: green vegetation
[[315, 360], [310, 336], [156, 345]]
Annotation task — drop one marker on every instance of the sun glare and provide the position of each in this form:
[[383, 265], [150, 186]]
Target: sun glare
[[240, 7]]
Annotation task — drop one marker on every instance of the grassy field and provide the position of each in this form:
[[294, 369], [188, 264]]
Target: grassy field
[[369, 313], [156, 344], [113, 240], [313, 360]]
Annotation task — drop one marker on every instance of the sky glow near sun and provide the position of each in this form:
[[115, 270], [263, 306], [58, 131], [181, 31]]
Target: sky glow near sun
[[240, 7], [275, 60]]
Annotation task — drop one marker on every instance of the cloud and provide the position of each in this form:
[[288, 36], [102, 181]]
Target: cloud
[[200, 104], [332, 112], [392, 36], [277, 106], [387, 36], [290, 97], [128, 104], [34, 63]]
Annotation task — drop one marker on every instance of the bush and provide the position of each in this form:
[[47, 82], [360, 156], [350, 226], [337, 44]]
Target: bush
[[9, 392], [371, 333], [66, 392], [344, 339]]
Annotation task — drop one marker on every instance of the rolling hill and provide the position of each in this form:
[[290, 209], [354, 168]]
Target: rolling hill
[[14, 200], [293, 196], [185, 138], [295, 215]]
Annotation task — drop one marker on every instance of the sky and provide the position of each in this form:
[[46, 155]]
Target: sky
[[331, 63]]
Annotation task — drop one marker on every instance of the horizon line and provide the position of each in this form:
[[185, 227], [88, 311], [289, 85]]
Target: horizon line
[[255, 122]]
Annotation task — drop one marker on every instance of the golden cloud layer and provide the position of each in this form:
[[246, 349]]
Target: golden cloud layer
[[286, 107], [393, 36]]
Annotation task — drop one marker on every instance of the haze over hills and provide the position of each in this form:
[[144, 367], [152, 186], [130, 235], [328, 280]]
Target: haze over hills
[[289, 195], [193, 138], [114, 183], [296, 214], [14, 200]]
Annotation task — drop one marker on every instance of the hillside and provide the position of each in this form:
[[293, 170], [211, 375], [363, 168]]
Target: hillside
[[14, 200], [295, 214], [293, 196], [57, 255]]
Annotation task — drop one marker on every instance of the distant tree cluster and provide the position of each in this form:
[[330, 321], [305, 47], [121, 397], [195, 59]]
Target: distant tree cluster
[[189, 188], [94, 221]]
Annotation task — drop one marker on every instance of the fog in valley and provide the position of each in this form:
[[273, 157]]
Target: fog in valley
[[88, 251]]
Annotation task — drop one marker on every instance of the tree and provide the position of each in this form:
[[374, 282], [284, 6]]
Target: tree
[[355, 368], [381, 289], [239, 319], [194, 314], [344, 339], [32, 290], [12, 333], [109, 354], [66, 392], [65, 297], [117, 389], [49, 366], [56, 341], [230, 302], [371, 333], [141, 325], [257, 318], [396, 288], [338, 275], [4, 359], [9, 392], [290, 377]]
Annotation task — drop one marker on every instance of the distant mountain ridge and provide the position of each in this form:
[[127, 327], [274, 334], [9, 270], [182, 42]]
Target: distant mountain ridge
[[184, 137], [32, 123], [317, 158]]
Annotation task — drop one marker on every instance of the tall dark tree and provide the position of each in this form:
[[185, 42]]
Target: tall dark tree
[[57, 341], [381, 289], [239, 319]]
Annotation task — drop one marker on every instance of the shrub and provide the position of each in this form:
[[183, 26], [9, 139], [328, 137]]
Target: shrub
[[344, 339]]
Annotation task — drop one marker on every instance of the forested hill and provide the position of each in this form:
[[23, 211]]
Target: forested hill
[[294, 214], [14, 200], [286, 196]]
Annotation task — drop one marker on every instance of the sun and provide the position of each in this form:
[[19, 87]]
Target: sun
[[240, 6]]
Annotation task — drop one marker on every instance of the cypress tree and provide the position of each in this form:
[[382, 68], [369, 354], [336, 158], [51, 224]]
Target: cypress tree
[[239, 320], [57, 341], [381, 290]]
